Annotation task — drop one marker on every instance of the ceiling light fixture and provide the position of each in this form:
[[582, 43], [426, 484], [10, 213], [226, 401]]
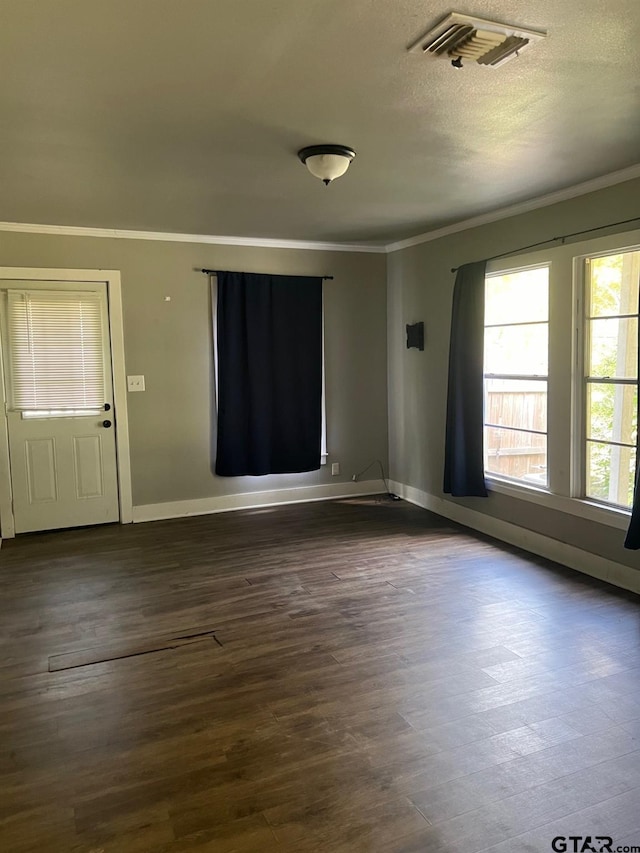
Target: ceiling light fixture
[[327, 162]]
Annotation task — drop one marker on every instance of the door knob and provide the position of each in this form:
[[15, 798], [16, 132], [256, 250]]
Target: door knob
[[106, 424], [107, 406]]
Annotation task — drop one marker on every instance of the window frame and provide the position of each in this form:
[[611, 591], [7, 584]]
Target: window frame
[[15, 355], [583, 378], [566, 414], [503, 478]]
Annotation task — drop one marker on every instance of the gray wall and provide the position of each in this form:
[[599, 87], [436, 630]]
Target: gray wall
[[170, 343], [420, 287]]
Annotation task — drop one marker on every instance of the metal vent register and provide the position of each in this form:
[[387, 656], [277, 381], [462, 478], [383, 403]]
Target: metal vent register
[[461, 38]]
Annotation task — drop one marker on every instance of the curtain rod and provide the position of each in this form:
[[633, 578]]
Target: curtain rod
[[215, 272], [554, 239]]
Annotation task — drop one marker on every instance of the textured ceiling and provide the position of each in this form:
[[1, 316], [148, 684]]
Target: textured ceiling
[[186, 115]]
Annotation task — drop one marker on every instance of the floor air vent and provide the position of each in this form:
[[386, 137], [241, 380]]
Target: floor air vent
[[461, 38]]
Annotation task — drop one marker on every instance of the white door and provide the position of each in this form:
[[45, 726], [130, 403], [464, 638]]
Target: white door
[[59, 399]]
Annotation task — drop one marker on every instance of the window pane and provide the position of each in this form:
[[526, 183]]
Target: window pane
[[520, 403], [56, 358], [614, 284], [516, 454], [45, 414], [610, 473], [519, 297], [614, 348], [612, 412], [516, 350]]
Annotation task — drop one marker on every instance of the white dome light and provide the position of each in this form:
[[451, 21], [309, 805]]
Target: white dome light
[[327, 162]]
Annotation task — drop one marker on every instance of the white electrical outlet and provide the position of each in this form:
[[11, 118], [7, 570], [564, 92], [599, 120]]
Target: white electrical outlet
[[335, 469], [135, 383]]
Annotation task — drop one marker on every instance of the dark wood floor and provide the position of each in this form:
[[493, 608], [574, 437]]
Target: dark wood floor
[[379, 680]]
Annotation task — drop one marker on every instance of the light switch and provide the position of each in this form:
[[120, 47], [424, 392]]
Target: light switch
[[335, 469], [135, 383]]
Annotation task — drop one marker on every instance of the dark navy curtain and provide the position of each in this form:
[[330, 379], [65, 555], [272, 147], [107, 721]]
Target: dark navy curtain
[[632, 539], [463, 454], [269, 339]]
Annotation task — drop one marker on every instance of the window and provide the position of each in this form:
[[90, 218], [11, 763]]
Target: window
[[516, 345], [561, 376], [55, 353], [323, 438], [611, 373]]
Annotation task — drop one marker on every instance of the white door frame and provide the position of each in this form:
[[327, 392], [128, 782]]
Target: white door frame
[[116, 333]]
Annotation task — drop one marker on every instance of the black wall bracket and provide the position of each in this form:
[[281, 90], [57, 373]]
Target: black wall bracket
[[415, 336]]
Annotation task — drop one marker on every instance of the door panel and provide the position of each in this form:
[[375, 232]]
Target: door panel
[[63, 467], [87, 458], [41, 472]]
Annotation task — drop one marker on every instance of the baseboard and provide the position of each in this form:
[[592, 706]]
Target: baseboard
[[254, 500], [536, 543]]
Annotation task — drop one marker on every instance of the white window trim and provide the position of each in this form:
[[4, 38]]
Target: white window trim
[[581, 507], [566, 262], [580, 384], [500, 271], [25, 399]]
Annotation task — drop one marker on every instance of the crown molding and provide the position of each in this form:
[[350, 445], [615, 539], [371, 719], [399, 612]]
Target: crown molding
[[600, 183], [584, 188], [170, 237]]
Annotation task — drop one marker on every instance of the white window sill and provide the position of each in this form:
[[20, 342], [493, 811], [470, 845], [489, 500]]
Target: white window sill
[[611, 516]]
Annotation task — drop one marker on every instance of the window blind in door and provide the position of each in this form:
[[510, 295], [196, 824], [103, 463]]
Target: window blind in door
[[56, 355]]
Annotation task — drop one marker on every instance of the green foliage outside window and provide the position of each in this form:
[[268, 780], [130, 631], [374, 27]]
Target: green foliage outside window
[[612, 408]]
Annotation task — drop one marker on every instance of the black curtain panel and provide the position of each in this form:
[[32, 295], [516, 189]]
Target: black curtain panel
[[632, 539], [269, 339], [463, 455]]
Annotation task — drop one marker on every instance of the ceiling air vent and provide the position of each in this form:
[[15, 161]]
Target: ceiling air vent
[[461, 38]]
